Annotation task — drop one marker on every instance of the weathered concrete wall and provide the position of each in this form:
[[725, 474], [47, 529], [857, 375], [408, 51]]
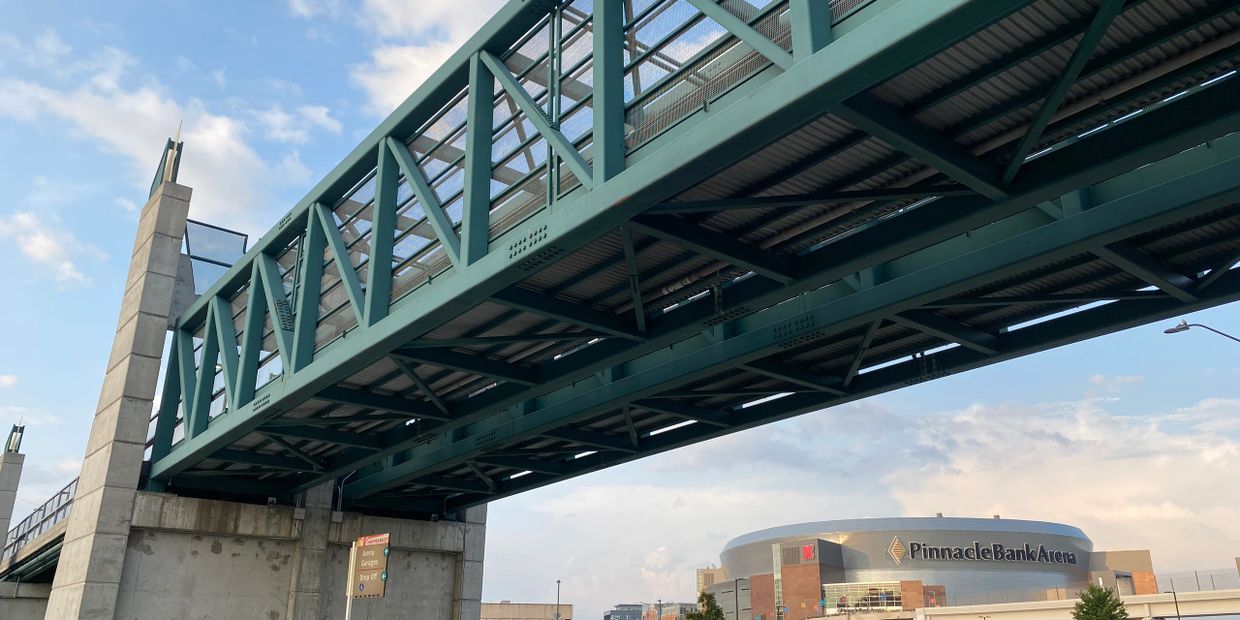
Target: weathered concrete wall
[[23, 601], [420, 584], [204, 576], [10, 476], [198, 559]]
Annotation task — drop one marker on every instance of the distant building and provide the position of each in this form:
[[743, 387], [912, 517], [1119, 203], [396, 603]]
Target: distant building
[[732, 596], [508, 610], [666, 610], [624, 611], [888, 565], [709, 576]]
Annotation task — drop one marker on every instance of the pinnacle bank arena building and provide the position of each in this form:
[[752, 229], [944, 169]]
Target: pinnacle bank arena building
[[808, 569]]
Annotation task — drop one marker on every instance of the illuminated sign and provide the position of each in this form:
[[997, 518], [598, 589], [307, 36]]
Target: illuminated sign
[[807, 552], [993, 552]]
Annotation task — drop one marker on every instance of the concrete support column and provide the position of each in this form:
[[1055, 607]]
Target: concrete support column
[[309, 562], [89, 573], [10, 476], [469, 597]]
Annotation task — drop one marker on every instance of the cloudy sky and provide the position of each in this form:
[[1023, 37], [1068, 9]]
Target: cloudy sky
[[1134, 437]]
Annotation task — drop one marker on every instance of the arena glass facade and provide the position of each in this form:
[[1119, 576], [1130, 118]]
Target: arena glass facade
[[809, 569]]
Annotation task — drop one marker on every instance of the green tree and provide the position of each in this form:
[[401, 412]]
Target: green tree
[[707, 609], [1099, 603]]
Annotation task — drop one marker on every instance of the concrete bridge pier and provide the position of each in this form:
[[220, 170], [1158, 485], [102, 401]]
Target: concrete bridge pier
[[134, 554]]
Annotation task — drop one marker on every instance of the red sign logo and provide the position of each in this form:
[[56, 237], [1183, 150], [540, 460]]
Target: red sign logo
[[807, 552]]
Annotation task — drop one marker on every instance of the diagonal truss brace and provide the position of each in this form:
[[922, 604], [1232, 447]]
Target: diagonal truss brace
[[1084, 50], [563, 147], [428, 200]]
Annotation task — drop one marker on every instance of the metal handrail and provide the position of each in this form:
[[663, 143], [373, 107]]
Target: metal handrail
[[53, 511]]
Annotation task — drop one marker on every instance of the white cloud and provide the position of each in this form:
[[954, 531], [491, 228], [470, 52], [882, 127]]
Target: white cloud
[[1124, 480], [126, 205], [234, 186], [1115, 383], [312, 8], [8, 381], [410, 44], [12, 414], [183, 64], [296, 126], [43, 241], [395, 71], [219, 78]]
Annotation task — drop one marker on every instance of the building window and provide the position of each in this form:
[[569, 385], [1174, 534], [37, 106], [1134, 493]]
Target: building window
[[879, 595]]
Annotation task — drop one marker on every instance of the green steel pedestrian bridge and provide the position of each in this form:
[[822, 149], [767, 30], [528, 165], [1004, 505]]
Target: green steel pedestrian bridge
[[606, 230]]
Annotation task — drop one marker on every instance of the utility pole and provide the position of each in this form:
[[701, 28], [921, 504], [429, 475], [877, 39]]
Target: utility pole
[[557, 599]]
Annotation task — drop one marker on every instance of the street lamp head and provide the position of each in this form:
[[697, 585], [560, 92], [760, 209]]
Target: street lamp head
[[1183, 326]]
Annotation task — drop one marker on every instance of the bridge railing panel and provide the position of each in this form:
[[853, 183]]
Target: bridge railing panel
[[40, 520]]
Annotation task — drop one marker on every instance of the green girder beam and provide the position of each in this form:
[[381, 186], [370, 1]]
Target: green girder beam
[[866, 340], [717, 246], [1161, 133], [1158, 195], [1034, 339], [1218, 271], [590, 438], [382, 402], [576, 314], [1150, 271], [476, 217], [523, 464], [314, 433], [686, 411], [464, 362], [811, 26], [608, 96], [805, 200], [265, 461], [895, 40], [923, 144], [1085, 47], [474, 341], [796, 376], [422, 386], [936, 325], [382, 237]]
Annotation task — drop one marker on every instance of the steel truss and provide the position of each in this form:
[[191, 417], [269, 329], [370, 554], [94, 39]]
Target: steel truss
[[419, 227]]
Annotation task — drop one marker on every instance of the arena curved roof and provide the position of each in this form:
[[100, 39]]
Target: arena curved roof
[[906, 523]]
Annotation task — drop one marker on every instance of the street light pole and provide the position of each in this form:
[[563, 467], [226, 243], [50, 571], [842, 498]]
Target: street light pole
[[1177, 604], [1184, 326], [557, 599]]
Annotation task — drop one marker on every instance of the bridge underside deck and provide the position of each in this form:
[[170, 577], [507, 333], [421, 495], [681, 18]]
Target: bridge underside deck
[[879, 242]]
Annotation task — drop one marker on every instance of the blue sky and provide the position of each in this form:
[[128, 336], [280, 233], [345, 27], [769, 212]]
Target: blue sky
[[1132, 436]]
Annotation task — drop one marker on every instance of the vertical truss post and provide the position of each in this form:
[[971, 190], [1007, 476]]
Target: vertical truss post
[[811, 27], [308, 291], [635, 289], [382, 238], [197, 413], [608, 96], [480, 119], [553, 100], [166, 420], [251, 338], [1084, 50], [226, 333]]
